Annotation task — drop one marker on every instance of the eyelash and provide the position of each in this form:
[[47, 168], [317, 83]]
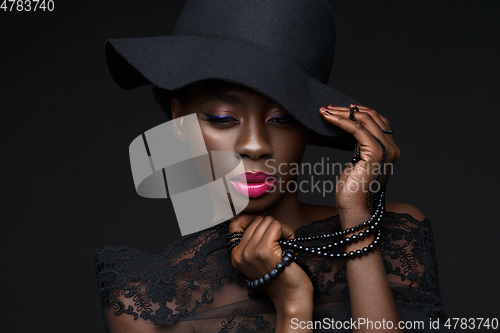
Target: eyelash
[[223, 120]]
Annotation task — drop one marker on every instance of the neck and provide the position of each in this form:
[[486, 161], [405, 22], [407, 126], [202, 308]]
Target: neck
[[290, 211]]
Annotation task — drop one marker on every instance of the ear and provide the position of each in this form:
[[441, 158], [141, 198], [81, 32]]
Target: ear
[[178, 119]]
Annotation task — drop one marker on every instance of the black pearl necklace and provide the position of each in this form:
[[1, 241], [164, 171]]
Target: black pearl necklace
[[341, 238]]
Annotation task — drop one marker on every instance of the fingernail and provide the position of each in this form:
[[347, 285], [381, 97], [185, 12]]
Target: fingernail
[[331, 106], [354, 104], [328, 113], [324, 109]]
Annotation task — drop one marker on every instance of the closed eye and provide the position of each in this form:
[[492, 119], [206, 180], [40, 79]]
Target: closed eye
[[282, 120], [217, 119]]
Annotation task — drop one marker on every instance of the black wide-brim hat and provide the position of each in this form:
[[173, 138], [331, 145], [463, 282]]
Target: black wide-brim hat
[[281, 48]]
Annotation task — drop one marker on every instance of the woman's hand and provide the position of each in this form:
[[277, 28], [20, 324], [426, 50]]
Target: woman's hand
[[369, 289], [258, 252], [353, 184]]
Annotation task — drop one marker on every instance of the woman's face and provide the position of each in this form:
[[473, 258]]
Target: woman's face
[[238, 119]]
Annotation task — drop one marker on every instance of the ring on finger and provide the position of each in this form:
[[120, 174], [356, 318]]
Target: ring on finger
[[234, 239], [353, 109]]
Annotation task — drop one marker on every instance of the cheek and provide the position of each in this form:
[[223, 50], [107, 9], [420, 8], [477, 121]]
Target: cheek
[[217, 140], [288, 146]]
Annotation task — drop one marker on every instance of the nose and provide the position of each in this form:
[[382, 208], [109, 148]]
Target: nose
[[253, 142]]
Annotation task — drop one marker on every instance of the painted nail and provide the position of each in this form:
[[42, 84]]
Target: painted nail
[[328, 113], [331, 106], [354, 104], [324, 109]]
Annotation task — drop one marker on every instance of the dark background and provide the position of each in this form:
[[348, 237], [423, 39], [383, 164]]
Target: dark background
[[430, 67]]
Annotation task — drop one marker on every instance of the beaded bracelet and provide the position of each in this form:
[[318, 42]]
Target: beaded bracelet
[[273, 273], [236, 235], [339, 238]]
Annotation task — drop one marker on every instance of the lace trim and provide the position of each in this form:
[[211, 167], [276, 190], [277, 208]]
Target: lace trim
[[194, 276]]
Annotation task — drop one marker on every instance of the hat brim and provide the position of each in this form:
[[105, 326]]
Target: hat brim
[[171, 62]]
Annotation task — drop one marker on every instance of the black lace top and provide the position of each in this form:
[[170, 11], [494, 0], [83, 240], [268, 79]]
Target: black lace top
[[192, 286]]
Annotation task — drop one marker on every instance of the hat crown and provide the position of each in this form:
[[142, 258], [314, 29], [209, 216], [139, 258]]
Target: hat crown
[[302, 31]]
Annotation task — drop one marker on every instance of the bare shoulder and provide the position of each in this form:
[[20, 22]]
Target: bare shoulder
[[404, 208]]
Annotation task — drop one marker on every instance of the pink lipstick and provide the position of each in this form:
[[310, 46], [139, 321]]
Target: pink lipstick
[[253, 185]]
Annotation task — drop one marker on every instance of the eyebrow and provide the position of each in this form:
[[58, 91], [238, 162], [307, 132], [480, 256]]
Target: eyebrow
[[223, 97], [230, 99]]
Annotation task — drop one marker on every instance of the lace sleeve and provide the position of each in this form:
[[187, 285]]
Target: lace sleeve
[[192, 286], [408, 253]]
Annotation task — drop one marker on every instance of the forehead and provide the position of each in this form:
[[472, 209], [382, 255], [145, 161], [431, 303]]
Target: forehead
[[228, 92]]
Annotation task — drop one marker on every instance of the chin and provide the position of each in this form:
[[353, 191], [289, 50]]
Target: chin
[[260, 204]]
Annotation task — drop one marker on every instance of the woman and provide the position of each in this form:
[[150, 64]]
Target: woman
[[254, 74]]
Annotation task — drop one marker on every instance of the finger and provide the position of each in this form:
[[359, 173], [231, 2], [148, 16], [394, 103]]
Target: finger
[[362, 118], [379, 119], [243, 221], [366, 119], [249, 231], [385, 125], [246, 222], [259, 231], [363, 111], [276, 231]]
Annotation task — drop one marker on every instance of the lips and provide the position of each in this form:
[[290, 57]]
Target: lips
[[253, 185]]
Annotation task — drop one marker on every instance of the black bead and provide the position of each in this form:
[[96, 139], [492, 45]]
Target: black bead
[[359, 253], [351, 254], [273, 273], [347, 240], [354, 238], [361, 235], [280, 267], [266, 278], [286, 261], [261, 282], [365, 250]]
